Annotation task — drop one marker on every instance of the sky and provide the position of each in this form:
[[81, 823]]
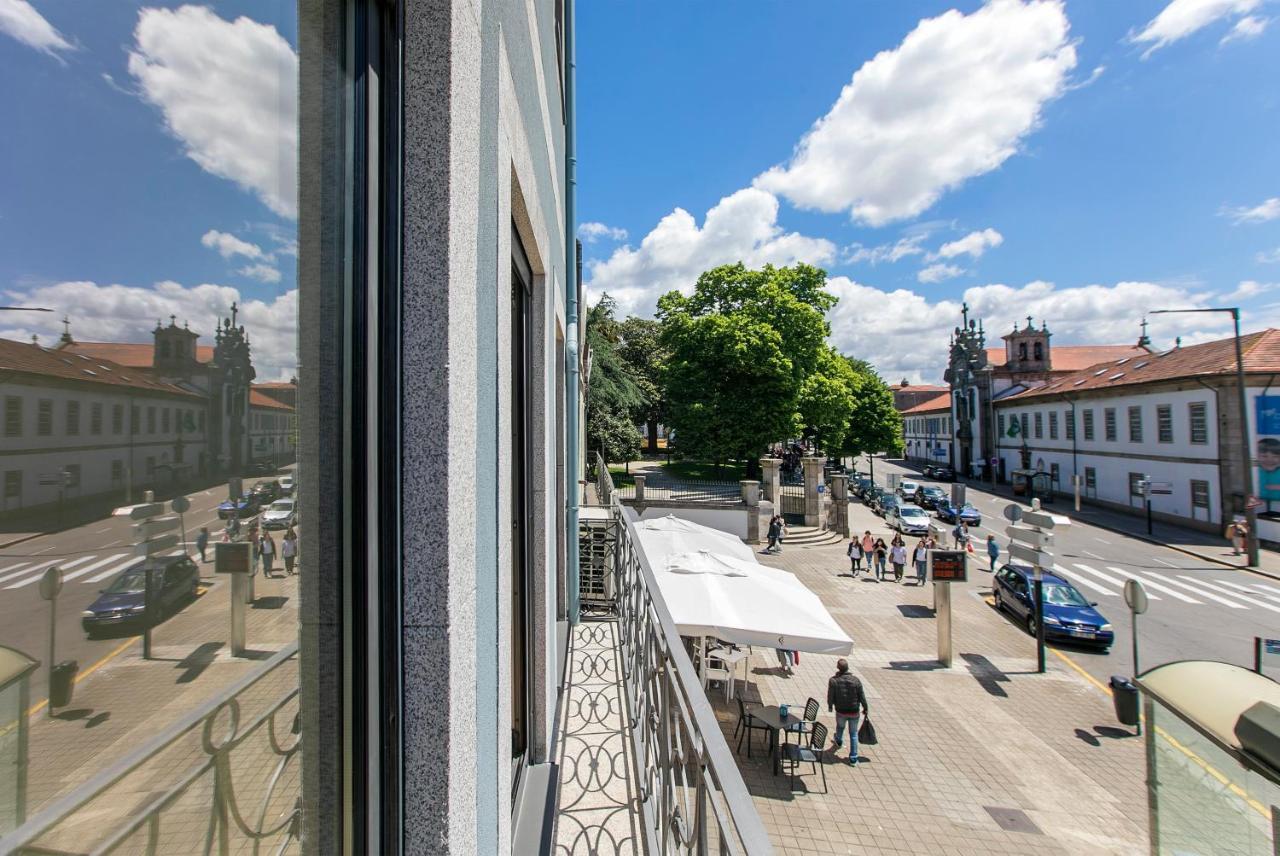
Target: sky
[[149, 169], [1079, 162]]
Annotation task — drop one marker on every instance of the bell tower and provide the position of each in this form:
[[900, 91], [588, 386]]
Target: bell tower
[[174, 356], [1027, 349]]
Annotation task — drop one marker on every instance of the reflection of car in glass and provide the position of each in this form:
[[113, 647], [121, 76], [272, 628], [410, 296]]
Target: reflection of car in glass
[[928, 496], [286, 485], [246, 506], [1067, 615], [175, 581], [884, 502], [908, 519], [266, 491], [280, 514], [859, 486], [952, 514]]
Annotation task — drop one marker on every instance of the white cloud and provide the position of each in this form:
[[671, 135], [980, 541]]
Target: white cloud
[[740, 227], [908, 333], [908, 246], [952, 102], [229, 245], [1269, 258], [228, 92], [1250, 288], [121, 313], [1262, 212], [1181, 18], [973, 244], [592, 232], [19, 19], [260, 272], [938, 273], [1248, 27]]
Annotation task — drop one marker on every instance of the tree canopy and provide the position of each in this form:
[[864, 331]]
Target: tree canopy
[[614, 394]]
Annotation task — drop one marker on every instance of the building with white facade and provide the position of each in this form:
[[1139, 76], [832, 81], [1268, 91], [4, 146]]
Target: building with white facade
[[272, 429], [927, 434], [1165, 416]]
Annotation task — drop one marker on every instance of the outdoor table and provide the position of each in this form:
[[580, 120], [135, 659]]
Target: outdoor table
[[731, 658], [771, 717]]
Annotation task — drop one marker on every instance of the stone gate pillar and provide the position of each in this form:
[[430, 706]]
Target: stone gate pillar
[[751, 499], [772, 474], [840, 502], [812, 499]]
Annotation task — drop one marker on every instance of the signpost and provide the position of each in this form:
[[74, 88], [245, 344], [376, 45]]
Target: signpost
[[50, 588], [148, 542], [181, 505], [1263, 648], [946, 567], [1136, 597], [233, 558], [1030, 539]]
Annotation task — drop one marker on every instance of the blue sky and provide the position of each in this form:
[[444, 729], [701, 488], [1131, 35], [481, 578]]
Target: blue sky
[[129, 193], [1138, 156]]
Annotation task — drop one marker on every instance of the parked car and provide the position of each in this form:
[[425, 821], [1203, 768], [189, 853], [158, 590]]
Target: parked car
[[246, 506], [175, 581], [859, 486], [908, 519], [951, 514], [280, 514], [930, 495], [907, 488], [286, 485], [1068, 616], [870, 495], [943, 474], [884, 502], [266, 491]]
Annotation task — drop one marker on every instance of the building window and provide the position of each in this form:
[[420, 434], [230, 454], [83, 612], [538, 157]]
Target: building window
[[151, 466], [1090, 479], [1087, 417], [44, 418], [1199, 413], [117, 471], [117, 418], [1199, 494], [1135, 483], [1164, 423], [73, 418], [1054, 474], [13, 485], [1135, 424], [1022, 351], [1069, 422], [1039, 424], [1053, 424], [151, 420], [522, 505], [71, 475], [1000, 424], [13, 416], [164, 420], [95, 418], [1022, 425], [135, 419], [1109, 424]]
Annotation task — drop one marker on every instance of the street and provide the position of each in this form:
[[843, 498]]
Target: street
[[1198, 609]]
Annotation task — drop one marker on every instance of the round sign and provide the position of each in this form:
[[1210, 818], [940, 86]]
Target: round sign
[[51, 583], [1135, 595], [181, 504], [1013, 512]]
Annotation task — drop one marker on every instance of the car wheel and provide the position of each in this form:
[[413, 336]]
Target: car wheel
[[996, 601], [1031, 624]]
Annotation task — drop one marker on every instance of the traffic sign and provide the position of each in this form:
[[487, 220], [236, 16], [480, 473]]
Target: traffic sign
[[1135, 596], [1044, 519], [51, 583], [1031, 555], [1030, 537], [139, 512], [154, 526], [1013, 512], [180, 505], [155, 545], [1161, 488]]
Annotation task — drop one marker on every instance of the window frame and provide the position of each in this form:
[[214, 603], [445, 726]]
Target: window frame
[[1164, 423], [1086, 422], [1135, 423], [1110, 426], [1202, 409]]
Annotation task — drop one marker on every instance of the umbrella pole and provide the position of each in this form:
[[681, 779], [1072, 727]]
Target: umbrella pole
[[702, 660]]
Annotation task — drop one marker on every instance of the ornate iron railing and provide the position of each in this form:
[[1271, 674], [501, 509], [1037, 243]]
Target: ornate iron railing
[[692, 795], [239, 789]]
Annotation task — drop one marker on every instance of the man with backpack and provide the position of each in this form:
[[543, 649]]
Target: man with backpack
[[846, 697]]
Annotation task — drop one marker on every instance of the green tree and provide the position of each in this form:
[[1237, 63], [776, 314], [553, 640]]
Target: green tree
[[640, 347], [875, 425], [826, 400], [614, 395]]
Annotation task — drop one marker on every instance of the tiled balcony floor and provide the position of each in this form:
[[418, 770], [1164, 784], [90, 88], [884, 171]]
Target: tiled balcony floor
[[598, 802]]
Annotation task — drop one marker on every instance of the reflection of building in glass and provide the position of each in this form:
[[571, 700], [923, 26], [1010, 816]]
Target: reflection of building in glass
[[84, 419]]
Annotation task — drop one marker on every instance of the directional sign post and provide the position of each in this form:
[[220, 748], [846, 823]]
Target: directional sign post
[[148, 542], [1030, 536], [50, 588]]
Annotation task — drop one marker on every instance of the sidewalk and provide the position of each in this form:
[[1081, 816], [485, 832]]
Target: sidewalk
[[985, 757]]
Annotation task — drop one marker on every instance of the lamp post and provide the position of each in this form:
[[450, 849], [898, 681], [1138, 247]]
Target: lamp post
[[1246, 460]]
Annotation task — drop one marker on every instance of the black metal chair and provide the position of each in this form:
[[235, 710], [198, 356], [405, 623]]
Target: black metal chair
[[811, 708], [794, 754], [746, 724]]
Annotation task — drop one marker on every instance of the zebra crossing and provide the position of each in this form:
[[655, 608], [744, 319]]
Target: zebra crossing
[[1109, 582], [87, 569]]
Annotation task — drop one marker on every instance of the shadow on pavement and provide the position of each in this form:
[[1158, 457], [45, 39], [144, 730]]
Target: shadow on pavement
[[197, 661], [915, 610], [915, 665], [270, 602], [988, 676], [91, 720]]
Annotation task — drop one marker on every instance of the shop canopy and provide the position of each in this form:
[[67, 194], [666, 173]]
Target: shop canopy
[[718, 589]]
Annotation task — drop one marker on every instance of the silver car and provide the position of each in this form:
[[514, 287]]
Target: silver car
[[908, 519]]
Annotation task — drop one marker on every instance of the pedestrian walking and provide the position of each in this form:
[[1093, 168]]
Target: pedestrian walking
[[785, 660], [881, 552], [1238, 534], [868, 546], [920, 556], [289, 550], [898, 557], [255, 556], [993, 552], [847, 698], [268, 553], [775, 534], [961, 535], [854, 552], [202, 542]]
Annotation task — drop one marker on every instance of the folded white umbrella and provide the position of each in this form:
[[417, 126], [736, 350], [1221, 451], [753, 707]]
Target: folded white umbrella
[[663, 536]]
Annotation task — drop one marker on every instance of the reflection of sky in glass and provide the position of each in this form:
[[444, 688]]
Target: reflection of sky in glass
[[153, 172]]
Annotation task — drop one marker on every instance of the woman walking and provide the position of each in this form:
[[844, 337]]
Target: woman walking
[[289, 550], [775, 534], [898, 556], [855, 556], [993, 552], [881, 552], [268, 552], [920, 557]]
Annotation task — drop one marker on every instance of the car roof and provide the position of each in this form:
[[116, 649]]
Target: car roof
[[1046, 576], [910, 506]]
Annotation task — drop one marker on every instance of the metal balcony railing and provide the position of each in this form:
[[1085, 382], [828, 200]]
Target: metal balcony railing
[[238, 787], [692, 795]]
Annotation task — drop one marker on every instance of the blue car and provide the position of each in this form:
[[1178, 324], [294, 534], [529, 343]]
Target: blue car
[[121, 605], [951, 514], [246, 506], [1068, 616]]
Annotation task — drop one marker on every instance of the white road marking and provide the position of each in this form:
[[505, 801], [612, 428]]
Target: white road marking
[[115, 569], [1097, 573], [1101, 540], [35, 578], [1163, 562], [91, 568], [1171, 592], [1209, 595], [17, 571], [45, 550], [114, 543], [1085, 581], [1210, 585], [1092, 555], [103, 529], [1246, 589], [1266, 588]]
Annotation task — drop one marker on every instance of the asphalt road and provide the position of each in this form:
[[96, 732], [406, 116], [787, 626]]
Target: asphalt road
[[1198, 610], [91, 556]]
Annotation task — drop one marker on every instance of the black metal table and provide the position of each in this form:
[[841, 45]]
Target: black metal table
[[771, 717]]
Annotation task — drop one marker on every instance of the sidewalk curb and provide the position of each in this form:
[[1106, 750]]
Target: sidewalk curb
[[32, 537], [1259, 571]]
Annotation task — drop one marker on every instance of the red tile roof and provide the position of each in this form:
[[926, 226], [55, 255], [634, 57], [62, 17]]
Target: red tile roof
[[1261, 356], [260, 399], [130, 354], [29, 359], [276, 384], [1072, 358], [940, 402]]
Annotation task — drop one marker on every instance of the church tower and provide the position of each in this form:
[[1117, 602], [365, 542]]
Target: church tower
[[1027, 349], [230, 373], [174, 357]]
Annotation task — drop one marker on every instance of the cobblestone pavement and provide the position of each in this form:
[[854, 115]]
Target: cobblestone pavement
[[984, 757]]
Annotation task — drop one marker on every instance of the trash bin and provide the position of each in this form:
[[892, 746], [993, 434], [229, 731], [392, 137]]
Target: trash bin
[[1125, 695], [61, 682]]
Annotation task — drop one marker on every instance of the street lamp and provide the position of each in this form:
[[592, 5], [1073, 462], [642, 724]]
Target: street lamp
[[1246, 460]]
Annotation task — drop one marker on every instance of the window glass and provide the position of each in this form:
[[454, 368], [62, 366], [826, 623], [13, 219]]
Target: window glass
[[1109, 424], [1086, 417], [1135, 424], [1053, 424], [1198, 413], [1164, 423], [1199, 493], [12, 416]]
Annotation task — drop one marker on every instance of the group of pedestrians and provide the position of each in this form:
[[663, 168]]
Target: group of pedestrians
[[777, 531], [879, 556], [263, 548]]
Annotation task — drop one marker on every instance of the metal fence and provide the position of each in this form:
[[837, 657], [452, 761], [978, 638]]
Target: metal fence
[[684, 490], [693, 797], [240, 789]]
